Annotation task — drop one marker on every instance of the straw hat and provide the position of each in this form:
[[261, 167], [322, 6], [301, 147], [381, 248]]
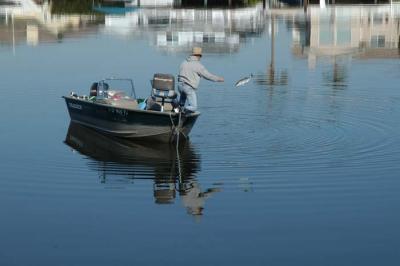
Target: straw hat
[[197, 51]]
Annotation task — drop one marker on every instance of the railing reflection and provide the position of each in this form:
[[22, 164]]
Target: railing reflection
[[171, 169]]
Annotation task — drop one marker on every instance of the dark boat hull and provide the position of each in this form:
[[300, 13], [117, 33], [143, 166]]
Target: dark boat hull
[[129, 123]]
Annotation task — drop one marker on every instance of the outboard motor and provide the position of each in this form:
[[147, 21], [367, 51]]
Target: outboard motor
[[99, 89], [163, 89], [93, 89], [163, 81]]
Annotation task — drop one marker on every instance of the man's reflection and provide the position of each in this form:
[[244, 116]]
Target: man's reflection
[[172, 168], [193, 198]]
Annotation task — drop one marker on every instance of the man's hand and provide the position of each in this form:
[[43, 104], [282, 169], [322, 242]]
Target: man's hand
[[220, 79]]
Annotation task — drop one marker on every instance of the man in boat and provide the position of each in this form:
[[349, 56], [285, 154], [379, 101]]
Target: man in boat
[[190, 72]]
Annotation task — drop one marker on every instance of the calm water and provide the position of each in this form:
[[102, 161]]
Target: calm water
[[299, 167]]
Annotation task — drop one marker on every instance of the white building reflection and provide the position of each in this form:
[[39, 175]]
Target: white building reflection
[[167, 28], [362, 31], [152, 3], [356, 31], [24, 21], [177, 30]]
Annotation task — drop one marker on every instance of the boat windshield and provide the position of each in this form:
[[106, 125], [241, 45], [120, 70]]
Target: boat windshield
[[116, 88]]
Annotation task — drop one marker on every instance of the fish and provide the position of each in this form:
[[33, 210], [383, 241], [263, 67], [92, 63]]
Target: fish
[[243, 81]]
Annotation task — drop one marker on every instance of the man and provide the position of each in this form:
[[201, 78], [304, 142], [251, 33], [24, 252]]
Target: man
[[190, 72]]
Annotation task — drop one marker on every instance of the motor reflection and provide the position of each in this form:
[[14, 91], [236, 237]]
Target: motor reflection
[[171, 168]]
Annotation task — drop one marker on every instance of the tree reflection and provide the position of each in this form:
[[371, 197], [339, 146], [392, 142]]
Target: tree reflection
[[72, 6]]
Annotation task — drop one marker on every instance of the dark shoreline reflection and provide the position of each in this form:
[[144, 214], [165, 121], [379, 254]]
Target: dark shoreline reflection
[[121, 161]]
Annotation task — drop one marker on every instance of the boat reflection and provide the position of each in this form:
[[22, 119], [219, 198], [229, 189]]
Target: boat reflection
[[172, 170]]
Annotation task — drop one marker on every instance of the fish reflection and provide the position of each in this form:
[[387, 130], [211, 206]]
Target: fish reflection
[[172, 169]]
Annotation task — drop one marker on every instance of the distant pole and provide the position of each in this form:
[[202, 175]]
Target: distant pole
[[13, 32], [272, 64], [305, 5], [398, 44], [264, 4]]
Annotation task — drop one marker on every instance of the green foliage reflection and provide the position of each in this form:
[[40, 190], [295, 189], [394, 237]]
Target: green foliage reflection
[[72, 6]]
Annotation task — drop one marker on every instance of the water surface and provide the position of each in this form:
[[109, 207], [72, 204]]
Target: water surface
[[298, 167]]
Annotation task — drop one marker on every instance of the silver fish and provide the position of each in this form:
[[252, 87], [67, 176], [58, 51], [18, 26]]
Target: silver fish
[[243, 81]]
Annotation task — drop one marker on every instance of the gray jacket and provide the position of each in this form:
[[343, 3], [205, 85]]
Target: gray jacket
[[191, 70]]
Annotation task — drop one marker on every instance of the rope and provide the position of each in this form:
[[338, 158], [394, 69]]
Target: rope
[[176, 129], [178, 160]]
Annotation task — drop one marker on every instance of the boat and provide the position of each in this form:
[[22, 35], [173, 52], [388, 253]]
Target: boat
[[114, 10], [109, 108], [115, 7]]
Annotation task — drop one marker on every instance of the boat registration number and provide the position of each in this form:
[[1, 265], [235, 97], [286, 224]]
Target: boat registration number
[[75, 106], [120, 112]]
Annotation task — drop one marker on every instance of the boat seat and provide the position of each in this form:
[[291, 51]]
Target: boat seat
[[163, 89]]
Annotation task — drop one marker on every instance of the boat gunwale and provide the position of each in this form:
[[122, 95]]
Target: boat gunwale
[[132, 109]]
